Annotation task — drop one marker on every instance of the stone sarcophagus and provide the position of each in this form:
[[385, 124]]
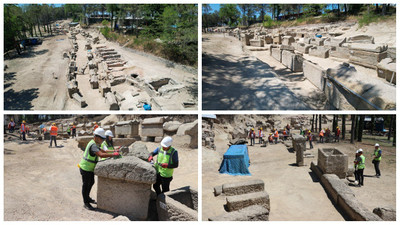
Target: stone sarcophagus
[[333, 161]]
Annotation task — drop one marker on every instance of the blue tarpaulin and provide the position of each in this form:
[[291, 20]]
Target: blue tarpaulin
[[236, 161]]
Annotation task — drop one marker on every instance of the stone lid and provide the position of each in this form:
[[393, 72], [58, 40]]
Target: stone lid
[[128, 168], [121, 123], [155, 120]]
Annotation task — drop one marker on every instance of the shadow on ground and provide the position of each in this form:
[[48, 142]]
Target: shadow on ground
[[20, 100]]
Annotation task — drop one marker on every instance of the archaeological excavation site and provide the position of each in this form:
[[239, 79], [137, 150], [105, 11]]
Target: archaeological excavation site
[[300, 57], [115, 57], [49, 186], [298, 167]]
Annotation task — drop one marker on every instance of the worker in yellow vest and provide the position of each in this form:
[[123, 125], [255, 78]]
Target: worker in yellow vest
[[88, 163], [360, 166], [167, 160], [53, 135], [377, 160], [108, 145]]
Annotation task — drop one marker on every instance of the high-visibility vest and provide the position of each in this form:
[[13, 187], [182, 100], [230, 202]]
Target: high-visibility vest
[[88, 162], [284, 132], [276, 134], [110, 149], [73, 127], [270, 138], [337, 132], [376, 151], [260, 133], [95, 127], [22, 127], [321, 133], [44, 130], [165, 157], [252, 134], [361, 164], [53, 130], [69, 129]]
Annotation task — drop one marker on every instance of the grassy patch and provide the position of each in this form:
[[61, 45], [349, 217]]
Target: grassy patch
[[371, 17]]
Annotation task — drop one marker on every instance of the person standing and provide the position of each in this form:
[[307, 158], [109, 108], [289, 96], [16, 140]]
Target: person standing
[[310, 139], [11, 126], [89, 162], [69, 130], [260, 135], [360, 166], [23, 130], [321, 136], [337, 134], [377, 159], [167, 160], [95, 126], [108, 144], [53, 135], [252, 136], [288, 129], [276, 136]]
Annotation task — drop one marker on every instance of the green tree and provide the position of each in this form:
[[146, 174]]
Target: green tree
[[229, 14]]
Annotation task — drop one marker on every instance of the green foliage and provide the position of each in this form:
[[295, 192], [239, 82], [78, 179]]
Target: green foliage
[[367, 18], [105, 22], [229, 14], [268, 21]]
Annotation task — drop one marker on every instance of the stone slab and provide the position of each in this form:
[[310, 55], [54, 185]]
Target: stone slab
[[243, 187], [251, 213], [237, 202], [315, 74]]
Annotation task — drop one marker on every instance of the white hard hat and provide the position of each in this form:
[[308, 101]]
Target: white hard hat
[[109, 133], [376, 145], [359, 150], [166, 142], [100, 132]]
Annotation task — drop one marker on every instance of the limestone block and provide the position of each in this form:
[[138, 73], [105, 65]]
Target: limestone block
[[287, 40], [257, 43], [299, 145], [387, 69], [333, 161], [89, 56], [217, 190], [292, 61], [247, 38], [354, 210], [112, 101], [192, 130], [317, 41], [277, 40], [127, 129], [314, 73], [84, 140], [385, 213], [154, 120], [319, 51], [335, 187], [119, 97], [136, 149], [104, 87], [268, 39], [72, 67], [361, 39], [303, 47], [79, 99], [365, 58], [340, 52], [92, 64], [94, 82], [120, 181], [243, 187], [237, 202], [251, 213], [178, 205], [368, 47], [337, 42], [171, 126], [287, 47], [72, 88], [117, 81], [152, 130], [276, 53]]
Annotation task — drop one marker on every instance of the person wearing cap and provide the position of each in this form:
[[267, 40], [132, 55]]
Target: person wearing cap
[[276, 136], [252, 136], [321, 136], [360, 166], [260, 135], [88, 163], [23, 130], [270, 138], [310, 138], [53, 135], [337, 134], [288, 129], [108, 145], [69, 130], [11, 126], [377, 159], [167, 160]]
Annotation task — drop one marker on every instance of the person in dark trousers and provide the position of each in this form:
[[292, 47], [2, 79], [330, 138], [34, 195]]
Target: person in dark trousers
[[337, 134], [377, 160], [360, 166], [167, 160], [88, 163], [73, 130], [252, 136], [310, 139], [23, 130]]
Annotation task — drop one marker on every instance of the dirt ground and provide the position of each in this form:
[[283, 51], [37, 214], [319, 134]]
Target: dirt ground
[[235, 79], [42, 184], [29, 82], [292, 188]]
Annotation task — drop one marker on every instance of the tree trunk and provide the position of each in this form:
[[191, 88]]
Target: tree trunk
[[360, 128], [390, 127], [38, 26], [394, 131], [384, 9], [353, 119], [320, 122], [372, 125], [316, 123], [312, 123], [343, 127]]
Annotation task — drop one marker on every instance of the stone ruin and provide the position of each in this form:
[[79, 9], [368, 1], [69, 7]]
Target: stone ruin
[[290, 47], [332, 161], [299, 146], [152, 129], [124, 186], [178, 205], [127, 129], [245, 201]]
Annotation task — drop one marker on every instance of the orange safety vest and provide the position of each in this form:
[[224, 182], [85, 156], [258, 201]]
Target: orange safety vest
[[321, 133], [284, 132], [44, 130], [73, 127], [95, 127], [260, 134], [22, 127], [53, 130], [276, 134]]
